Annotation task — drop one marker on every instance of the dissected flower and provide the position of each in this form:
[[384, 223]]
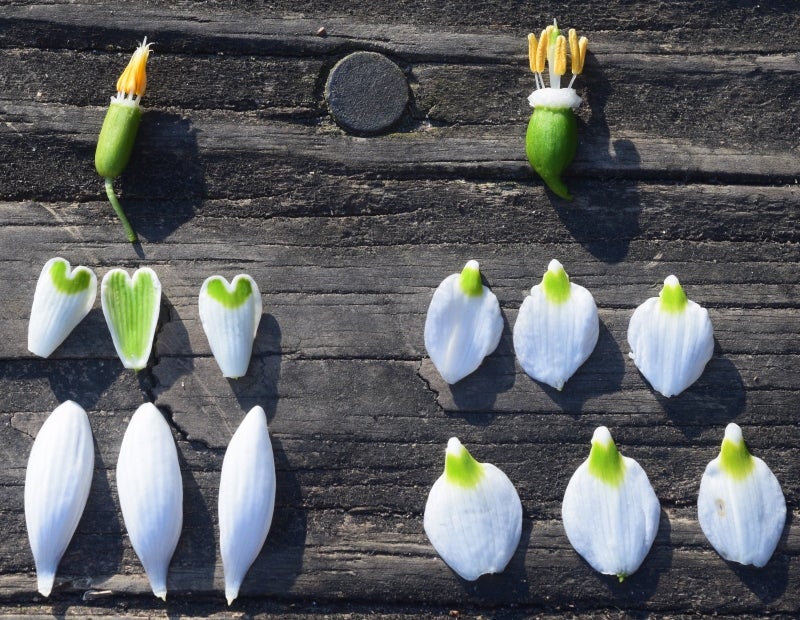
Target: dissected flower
[[473, 516], [557, 328], [741, 507], [610, 511], [463, 324]]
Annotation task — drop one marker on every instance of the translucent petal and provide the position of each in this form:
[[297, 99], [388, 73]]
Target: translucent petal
[[670, 348], [246, 498], [131, 306], [151, 493], [741, 511], [63, 297], [474, 522], [57, 483], [230, 314], [552, 339], [461, 329], [611, 521]]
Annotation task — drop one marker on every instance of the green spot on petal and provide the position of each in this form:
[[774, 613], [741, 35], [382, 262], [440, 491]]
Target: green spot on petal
[[77, 282], [673, 299], [459, 466], [605, 461], [218, 290], [470, 280], [556, 283], [735, 459]]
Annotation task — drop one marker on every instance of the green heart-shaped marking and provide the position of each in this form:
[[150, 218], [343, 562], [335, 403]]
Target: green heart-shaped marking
[[69, 283], [218, 289], [131, 308]]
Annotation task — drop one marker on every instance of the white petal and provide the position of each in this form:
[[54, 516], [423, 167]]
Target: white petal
[[741, 515], [671, 349], [246, 498], [62, 299], [461, 329], [552, 339], [131, 306], [476, 527], [151, 493], [57, 484], [612, 525], [230, 320]]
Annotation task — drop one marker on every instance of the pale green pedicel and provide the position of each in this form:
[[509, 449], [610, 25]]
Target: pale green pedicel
[[672, 297], [605, 462], [69, 284], [470, 279], [460, 467], [218, 290]]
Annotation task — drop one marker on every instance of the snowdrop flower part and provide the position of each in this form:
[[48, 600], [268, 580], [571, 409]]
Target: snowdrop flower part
[[246, 498], [120, 126], [62, 299], [610, 511], [473, 516], [552, 136], [556, 329], [57, 484], [151, 493], [741, 507], [230, 314], [463, 324], [131, 307], [671, 339]]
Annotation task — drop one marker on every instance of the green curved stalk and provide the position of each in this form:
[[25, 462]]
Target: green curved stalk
[[112, 198]]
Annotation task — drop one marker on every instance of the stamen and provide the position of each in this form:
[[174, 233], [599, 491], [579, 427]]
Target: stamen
[[541, 51], [574, 52], [560, 56], [583, 45], [532, 44]]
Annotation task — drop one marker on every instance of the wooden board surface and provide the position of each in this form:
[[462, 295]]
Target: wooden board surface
[[688, 163]]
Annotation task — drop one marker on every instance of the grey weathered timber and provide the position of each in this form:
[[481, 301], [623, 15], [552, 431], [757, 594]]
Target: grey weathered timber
[[688, 164]]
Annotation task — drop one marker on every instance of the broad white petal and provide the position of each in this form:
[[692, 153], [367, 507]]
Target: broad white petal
[[473, 516], [57, 484], [670, 346], [230, 314], [462, 328], [131, 306], [741, 507], [556, 329], [610, 511], [246, 498], [62, 299], [151, 493]]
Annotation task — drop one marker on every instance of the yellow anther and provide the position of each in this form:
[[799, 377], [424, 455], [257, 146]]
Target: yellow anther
[[133, 80], [574, 52], [532, 44], [583, 45], [541, 52], [560, 56]]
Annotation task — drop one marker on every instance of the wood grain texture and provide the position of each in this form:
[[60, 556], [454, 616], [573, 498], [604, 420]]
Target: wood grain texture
[[688, 164]]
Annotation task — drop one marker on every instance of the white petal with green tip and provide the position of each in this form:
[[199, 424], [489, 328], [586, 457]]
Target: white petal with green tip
[[230, 314], [741, 507], [57, 483], [131, 306], [610, 511], [556, 329], [473, 516], [151, 493], [463, 324], [671, 339], [246, 498], [62, 299]]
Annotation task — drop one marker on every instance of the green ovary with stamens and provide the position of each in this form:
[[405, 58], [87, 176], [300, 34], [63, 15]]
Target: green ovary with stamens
[[131, 309], [217, 290], [550, 144], [736, 460], [461, 468], [78, 282], [605, 463]]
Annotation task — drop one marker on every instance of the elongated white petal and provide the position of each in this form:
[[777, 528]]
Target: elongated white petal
[[671, 339], [473, 516], [463, 325], [151, 493], [557, 328], [246, 498], [741, 507], [610, 511], [57, 484], [230, 314], [131, 306], [62, 299]]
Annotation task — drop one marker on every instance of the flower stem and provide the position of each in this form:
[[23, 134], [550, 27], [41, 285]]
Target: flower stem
[[112, 198]]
